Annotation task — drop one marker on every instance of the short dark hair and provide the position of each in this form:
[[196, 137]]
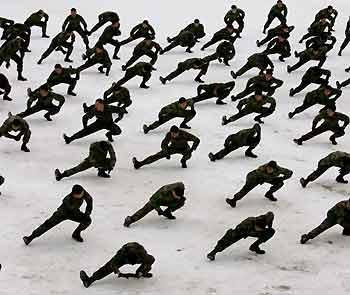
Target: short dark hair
[[179, 191], [233, 6], [44, 87], [328, 87], [16, 122], [269, 72], [77, 189], [196, 21], [272, 164], [182, 100], [73, 10], [99, 100], [174, 129], [58, 66], [331, 107]]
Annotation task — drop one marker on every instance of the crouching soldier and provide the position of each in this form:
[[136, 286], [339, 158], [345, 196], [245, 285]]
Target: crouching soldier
[[246, 137], [256, 227], [38, 19], [175, 142], [98, 56], [18, 125], [339, 214], [170, 196], [336, 159], [318, 54], [217, 90], [6, 86], [257, 60], [269, 173], [103, 18], [141, 30], [279, 45], [69, 210], [97, 159], [275, 32], [141, 69], [224, 34], [184, 39], [196, 28], [129, 254], [223, 53]]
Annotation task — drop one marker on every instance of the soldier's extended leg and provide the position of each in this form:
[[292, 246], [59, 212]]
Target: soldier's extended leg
[[85, 165], [26, 138], [203, 96], [344, 44], [113, 130], [97, 26], [101, 273], [269, 21], [265, 112], [303, 84], [132, 59], [7, 89], [249, 152], [314, 175], [231, 236], [337, 132], [162, 119], [240, 114], [145, 78], [172, 75], [325, 225], [201, 73], [30, 111], [90, 129], [313, 133], [84, 222], [19, 61], [222, 153], [266, 39], [88, 64], [276, 185], [248, 186], [128, 76], [300, 109], [140, 214], [48, 51], [210, 43], [342, 173], [306, 36], [171, 46], [263, 237], [151, 159], [84, 36], [303, 60], [242, 70], [244, 93]]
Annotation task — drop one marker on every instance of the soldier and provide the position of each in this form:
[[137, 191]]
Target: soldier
[[20, 127], [347, 38], [97, 159], [104, 120], [268, 173], [224, 34], [98, 56], [108, 35], [9, 51], [176, 109], [223, 53], [279, 45], [36, 20], [59, 41], [142, 69], [5, 24], [62, 75], [246, 137], [175, 142], [257, 60], [329, 13], [322, 96], [69, 210], [321, 40], [265, 82], [170, 196], [337, 159], [253, 104], [331, 120], [317, 29], [130, 253], [217, 90], [144, 48], [196, 28], [280, 11], [339, 214], [22, 31], [340, 85], [73, 22], [5, 85], [275, 32], [200, 64], [44, 98], [319, 54], [142, 30], [184, 39], [312, 76], [235, 14], [103, 18], [257, 227]]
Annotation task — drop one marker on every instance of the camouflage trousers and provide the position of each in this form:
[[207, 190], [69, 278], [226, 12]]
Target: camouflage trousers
[[53, 46], [85, 165], [272, 16], [305, 59], [51, 110], [113, 129], [230, 148], [304, 83], [250, 65], [130, 73], [188, 115], [263, 112], [217, 39], [337, 132], [5, 85], [137, 55], [180, 70], [321, 169]]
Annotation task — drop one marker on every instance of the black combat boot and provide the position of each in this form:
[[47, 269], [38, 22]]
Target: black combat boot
[[304, 182], [346, 232], [211, 255], [250, 154], [28, 239], [67, 139], [255, 248], [340, 179], [24, 148], [76, 236], [183, 164], [184, 126], [102, 173], [145, 129], [128, 221], [167, 213], [270, 196], [231, 202], [137, 164], [85, 279], [212, 157], [58, 175], [304, 239]]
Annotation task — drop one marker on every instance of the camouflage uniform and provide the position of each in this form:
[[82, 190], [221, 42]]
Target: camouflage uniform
[[275, 32], [97, 159], [246, 137], [73, 23], [107, 37], [22, 130], [257, 60], [251, 105], [35, 19], [5, 85], [64, 78], [279, 47], [329, 14], [103, 18], [235, 15], [310, 54], [217, 90], [19, 30], [140, 31], [276, 12], [257, 227], [259, 177], [320, 41], [130, 253], [223, 53], [312, 76], [117, 94], [184, 39], [44, 103], [196, 28], [142, 69], [223, 34], [339, 214], [329, 124], [5, 24], [165, 197], [59, 41], [144, 48], [94, 58], [69, 210], [104, 120], [317, 29], [317, 96], [259, 82], [347, 38], [9, 51], [337, 159], [171, 146], [172, 111], [189, 64]]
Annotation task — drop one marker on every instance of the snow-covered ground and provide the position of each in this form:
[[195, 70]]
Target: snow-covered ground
[[51, 264]]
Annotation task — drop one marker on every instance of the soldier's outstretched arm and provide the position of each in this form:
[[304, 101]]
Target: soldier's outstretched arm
[[112, 154], [345, 119], [83, 22], [337, 93], [317, 119], [285, 172], [271, 44], [134, 29], [65, 23], [60, 99], [89, 203], [165, 143]]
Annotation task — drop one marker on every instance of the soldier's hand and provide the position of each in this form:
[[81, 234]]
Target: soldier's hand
[[168, 156], [278, 179], [7, 64], [17, 138]]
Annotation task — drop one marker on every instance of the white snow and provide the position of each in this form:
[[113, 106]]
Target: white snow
[[51, 264]]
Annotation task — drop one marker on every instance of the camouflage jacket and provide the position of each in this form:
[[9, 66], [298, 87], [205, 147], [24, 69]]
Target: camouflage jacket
[[314, 73], [109, 16], [260, 59], [174, 109], [105, 117], [319, 97], [281, 46], [164, 196], [108, 34], [277, 10], [72, 22], [10, 48], [331, 122], [180, 142], [46, 101], [62, 38], [7, 126], [257, 106], [98, 155], [142, 29], [260, 175], [234, 14], [141, 68], [335, 159], [70, 203], [255, 224], [339, 214], [36, 18], [145, 46], [196, 29], [260, 82], [55, 78], [243, 137], [116, 94]]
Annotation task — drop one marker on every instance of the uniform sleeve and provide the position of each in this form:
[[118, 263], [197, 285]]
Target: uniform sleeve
[[33, 97], [152, 30], [347, 30], [278, 82], [59, 98], [46, 17], [345, 119], [285, 10], [285, 172], [65, 23], [269, 62], [272, 103], [271, 44], [89, 203], [108, 92], [134, 29], [194, 139], [336, 93], [83, 22], [112, 154], [242, 13], [165, 143], [317, 119]]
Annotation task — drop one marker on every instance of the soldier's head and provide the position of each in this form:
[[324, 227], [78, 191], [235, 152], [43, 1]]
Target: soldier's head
[[268, 74], [328, 90], [99, 105], [279, 3], [269, 217], [99, 49], [330, 8], [41, 12], [271, 166], [330, 110], [174, 131], [16, 124], [58, 69], [73, 12], [77, 191], [115, 24], [230, 28], [183, 102], [257, 127], [145, 23], [234, 7], [258, 95], [179, 191], [44, 90], [196, 21]]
